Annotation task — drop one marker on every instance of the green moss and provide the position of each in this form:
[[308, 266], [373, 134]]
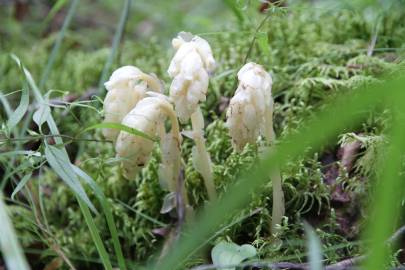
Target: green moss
[[313, 57]]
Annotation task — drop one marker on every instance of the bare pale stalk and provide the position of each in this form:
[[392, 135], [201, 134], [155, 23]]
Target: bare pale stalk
[[176, 160], [278, 194], [204, 160]]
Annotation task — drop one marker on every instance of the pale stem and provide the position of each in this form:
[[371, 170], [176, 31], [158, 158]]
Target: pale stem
[[278, 195], [197, 123], [176, 138]]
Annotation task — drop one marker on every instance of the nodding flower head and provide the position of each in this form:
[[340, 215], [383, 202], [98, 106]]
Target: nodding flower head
[[147, 116], [190, 67], [126, 86], [250, 110]]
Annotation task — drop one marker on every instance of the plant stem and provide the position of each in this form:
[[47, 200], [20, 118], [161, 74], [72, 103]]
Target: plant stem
[[278, 195], [204, 161], [176, 159]]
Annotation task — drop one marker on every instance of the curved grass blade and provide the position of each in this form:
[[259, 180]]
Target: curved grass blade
[[314, 248], [105, 204], [95, 235], [6, 104], [55, 9], [315, 133], [116, 42], [60, 163], [21, 184], [121, 127], [385, 208], [11, 249], [58, 42], [20, 111]]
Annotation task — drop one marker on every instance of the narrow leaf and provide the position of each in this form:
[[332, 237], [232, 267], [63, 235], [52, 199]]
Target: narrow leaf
[[121, 127], [116, 42], [41, 115], [10, 248], [19, 113], [314, 248], [60, 163], [107, 212], [21, 184]]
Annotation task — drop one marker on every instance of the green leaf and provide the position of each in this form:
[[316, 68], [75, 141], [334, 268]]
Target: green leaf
[[121, 127], [95, 235], [225, 253], [21, 184], [41, 115], [107, 212], [22, 108], [60, 163], [6, 104], [55, 8], [21, 152], [115, 44], [10, 248], [314, 248], [59, 39]]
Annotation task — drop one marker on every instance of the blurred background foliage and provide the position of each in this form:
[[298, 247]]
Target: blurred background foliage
[[314, 51]]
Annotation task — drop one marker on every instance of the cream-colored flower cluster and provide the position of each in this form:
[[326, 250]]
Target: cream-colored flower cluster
[[127, 85], [147, 116], [135, 100], [250, 110], [189, 68]]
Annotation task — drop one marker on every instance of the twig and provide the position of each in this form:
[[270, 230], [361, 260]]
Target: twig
[[346, 264]]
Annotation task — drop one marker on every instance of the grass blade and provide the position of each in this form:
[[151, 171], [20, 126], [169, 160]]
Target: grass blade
[[21, 184], [55, 9], [58, 42], [121, 127], [19, 113], [6, 104], [388, 192], [116, 42], [314, 134], [107, 212], [95, 235], [233, 6], [12, 252], [60, 163], [314, 248]]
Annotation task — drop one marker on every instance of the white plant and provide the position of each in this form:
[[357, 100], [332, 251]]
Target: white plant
[[148, 116], [190, 69], [126, 86], [249, 115]]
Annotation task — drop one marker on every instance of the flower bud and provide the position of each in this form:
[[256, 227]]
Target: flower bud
[[190, 67], [147, 116], [250, 110], [126, 86]]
